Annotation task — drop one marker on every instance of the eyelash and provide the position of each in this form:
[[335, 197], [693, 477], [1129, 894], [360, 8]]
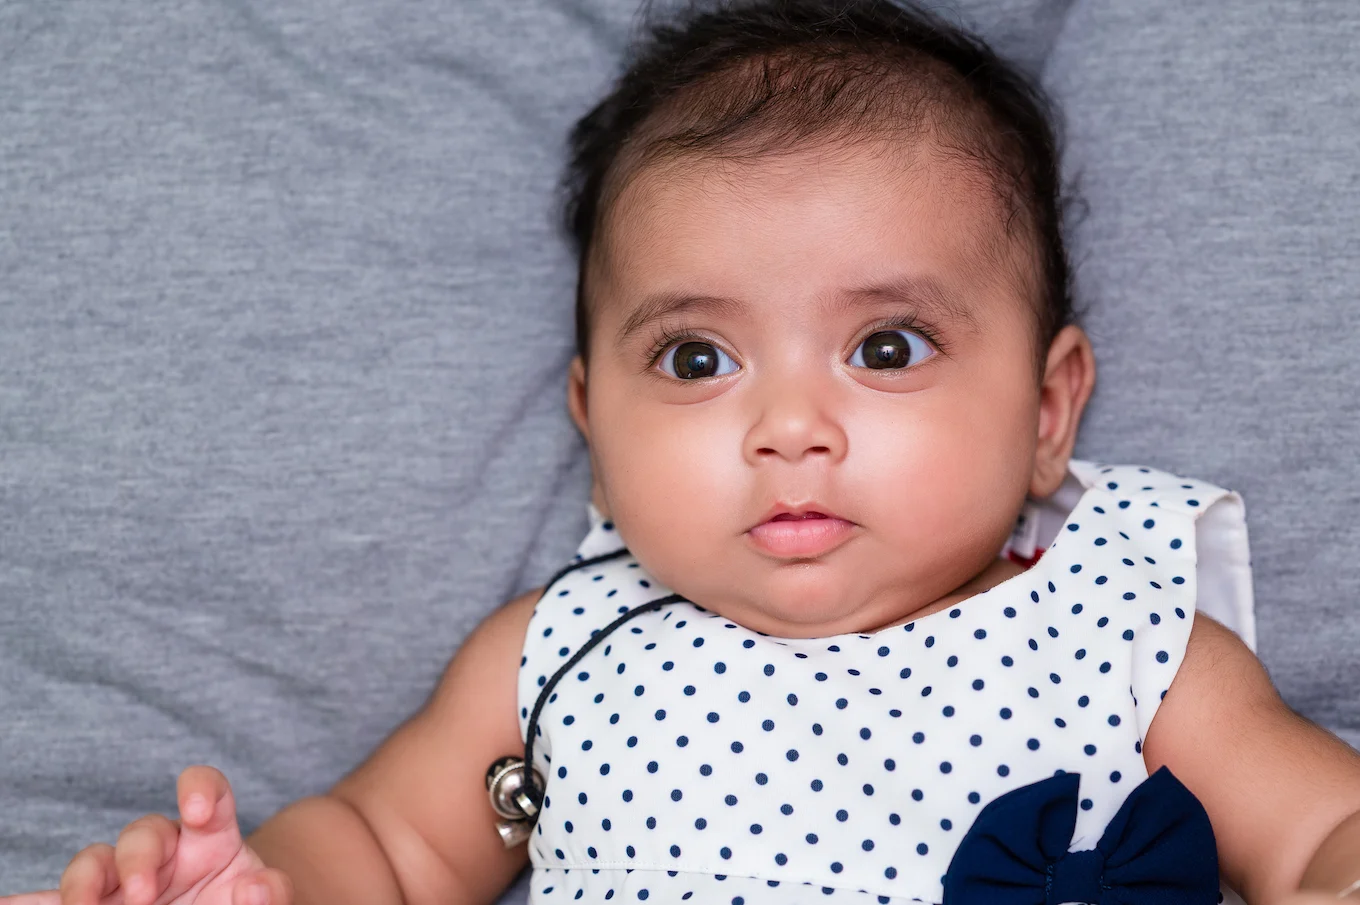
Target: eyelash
[[909, 323], [663, 338]]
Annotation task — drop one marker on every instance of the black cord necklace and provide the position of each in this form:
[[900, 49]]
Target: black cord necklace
[[514, 786], [531, 785]]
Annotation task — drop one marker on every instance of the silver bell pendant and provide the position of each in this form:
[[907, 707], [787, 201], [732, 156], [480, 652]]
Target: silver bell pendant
[[510, 799]]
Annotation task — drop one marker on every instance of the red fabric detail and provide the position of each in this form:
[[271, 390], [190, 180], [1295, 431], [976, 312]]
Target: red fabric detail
[[1022, 561]]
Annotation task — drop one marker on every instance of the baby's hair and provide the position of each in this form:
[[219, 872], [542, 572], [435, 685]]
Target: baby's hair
[[746, 79]]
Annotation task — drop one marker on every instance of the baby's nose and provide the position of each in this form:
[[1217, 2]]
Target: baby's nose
[[791, 426]]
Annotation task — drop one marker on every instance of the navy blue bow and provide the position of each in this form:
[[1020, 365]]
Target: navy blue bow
[[1158, 850]]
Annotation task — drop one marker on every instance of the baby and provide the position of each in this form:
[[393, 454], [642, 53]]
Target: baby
[[827, 373]]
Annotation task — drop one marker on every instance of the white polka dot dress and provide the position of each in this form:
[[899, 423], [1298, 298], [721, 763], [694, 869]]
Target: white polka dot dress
[[687, 758]]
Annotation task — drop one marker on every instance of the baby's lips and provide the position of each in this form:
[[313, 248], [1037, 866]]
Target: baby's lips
[[801, 537], [799, 512]]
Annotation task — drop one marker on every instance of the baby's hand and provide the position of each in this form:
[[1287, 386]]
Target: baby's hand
[[199, 860]]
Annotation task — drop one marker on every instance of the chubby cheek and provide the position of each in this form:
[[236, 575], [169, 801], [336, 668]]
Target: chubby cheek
[[943, 481], [672, 477]]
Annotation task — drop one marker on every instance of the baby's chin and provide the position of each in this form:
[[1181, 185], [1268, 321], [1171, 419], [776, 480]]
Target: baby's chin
[[811, 606]]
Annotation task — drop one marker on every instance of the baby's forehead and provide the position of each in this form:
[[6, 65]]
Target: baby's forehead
[[879, 213]]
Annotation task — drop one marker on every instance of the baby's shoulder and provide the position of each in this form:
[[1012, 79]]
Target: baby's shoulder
[[1171, 517]]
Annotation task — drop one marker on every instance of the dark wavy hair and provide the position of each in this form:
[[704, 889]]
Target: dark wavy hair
[[742, 79]]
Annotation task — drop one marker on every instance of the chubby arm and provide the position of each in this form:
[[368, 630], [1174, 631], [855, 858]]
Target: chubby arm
[[1283, 794], [423, 829]]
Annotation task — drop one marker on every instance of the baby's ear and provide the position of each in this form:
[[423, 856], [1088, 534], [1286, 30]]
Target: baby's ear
[[576, 396], [576, 405], [1069, 377]]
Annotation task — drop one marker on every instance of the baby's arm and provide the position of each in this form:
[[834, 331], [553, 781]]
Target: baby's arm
[[418, 827], [411, 826], [1283, 794]]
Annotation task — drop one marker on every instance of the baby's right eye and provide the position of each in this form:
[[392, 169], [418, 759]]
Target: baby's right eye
[[693, 360]]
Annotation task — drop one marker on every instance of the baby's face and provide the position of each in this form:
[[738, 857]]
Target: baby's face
[[831, 334]]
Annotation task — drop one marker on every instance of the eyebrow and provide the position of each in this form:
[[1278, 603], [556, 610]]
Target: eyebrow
[[922, 294], [663, 304]]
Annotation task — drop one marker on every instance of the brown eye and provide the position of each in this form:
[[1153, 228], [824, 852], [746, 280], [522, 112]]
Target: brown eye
[[695, 360], [891, 349]]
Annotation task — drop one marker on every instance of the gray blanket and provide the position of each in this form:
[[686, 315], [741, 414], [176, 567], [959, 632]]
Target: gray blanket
[[284, 317]]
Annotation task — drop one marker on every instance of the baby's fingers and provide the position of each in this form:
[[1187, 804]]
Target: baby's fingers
[[265, 887], [89, 877], [144, 858], [206, 804]]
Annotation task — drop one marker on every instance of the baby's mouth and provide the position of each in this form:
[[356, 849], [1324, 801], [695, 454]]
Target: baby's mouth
[[800, 533]]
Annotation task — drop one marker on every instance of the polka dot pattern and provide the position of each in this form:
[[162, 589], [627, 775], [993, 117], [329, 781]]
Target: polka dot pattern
[[691, 759]]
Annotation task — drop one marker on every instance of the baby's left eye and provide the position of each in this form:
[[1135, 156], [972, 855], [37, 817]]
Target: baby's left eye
[[891, 349]]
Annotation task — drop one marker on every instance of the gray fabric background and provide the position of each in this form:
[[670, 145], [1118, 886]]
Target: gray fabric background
[[284, 317]]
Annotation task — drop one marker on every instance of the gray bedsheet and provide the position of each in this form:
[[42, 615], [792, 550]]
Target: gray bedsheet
[[284, 318]]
